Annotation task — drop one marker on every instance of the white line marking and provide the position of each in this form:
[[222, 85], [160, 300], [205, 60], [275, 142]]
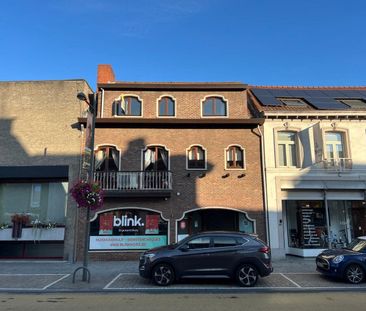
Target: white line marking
[[53, 283], [293, 282], [25, 274], [111, 282]]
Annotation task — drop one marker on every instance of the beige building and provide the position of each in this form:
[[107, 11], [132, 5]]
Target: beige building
[[315, 167], [40, 144]]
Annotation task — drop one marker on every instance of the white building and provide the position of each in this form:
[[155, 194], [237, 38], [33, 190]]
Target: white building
[[314, 159]]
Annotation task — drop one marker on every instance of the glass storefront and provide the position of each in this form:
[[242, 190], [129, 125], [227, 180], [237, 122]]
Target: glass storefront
[[310, 226], [128, 229]]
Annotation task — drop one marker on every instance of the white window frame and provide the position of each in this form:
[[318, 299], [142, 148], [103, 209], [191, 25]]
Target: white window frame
[[131, 116], [187, 158], [175, 106], [243, 154], [216, 116]]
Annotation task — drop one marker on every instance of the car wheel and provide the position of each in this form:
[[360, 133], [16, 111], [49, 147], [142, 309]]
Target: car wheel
[[163, 274], [354, 274], [247, 275]]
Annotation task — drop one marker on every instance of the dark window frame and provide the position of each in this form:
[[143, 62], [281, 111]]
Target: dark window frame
[[166, 101], [213, 112], [235, 163], [195, 164]]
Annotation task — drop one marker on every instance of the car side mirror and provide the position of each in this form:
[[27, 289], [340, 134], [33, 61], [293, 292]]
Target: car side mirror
[[184, 248]]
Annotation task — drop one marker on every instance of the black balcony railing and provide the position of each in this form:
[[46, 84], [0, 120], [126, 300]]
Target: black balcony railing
[[134, 181]]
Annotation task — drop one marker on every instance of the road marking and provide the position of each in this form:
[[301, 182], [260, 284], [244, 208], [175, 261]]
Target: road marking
[[293, 282], [111, 282], [53, 283]]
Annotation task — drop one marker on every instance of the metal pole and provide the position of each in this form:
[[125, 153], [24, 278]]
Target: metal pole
[[327, 218]]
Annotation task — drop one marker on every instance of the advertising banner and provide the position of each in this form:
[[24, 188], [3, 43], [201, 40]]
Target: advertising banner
[[127, 242]]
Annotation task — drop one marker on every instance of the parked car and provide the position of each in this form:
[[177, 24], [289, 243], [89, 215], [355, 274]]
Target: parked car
[[348, 263], [222, 254]]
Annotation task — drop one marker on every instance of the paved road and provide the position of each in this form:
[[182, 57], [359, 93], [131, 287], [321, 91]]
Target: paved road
[[292, 274], [325, 301]]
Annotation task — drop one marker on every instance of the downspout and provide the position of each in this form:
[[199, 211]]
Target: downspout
[[265, 199], [102, 105]]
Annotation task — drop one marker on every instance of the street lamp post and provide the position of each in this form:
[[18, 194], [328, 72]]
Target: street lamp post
[[92, 103]]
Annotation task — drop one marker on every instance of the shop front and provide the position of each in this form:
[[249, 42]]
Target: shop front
[[314, 225], [127, 229], [211, 219]]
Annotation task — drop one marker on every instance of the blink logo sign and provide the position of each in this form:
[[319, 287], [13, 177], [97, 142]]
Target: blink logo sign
[[125, 221]]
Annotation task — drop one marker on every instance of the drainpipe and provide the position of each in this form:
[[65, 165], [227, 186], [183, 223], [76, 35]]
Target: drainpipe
[[265, 199], [327, 218], [102, 105]]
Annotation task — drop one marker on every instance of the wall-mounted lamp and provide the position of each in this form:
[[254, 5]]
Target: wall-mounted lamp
[[188, 175], [202, 175], [226, 175], [241, 175]]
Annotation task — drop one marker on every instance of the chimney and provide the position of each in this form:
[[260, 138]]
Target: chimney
[[105, 74]]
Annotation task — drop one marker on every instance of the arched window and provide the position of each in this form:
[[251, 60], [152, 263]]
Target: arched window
[[106, 159], [196, 158], [235, 157], [127, 106], [214, 106], [156, 158], [166, 107]]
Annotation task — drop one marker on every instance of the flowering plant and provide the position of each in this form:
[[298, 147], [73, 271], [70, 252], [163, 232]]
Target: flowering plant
[[87, 194]]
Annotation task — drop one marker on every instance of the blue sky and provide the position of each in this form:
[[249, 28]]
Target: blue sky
[[262, 42]]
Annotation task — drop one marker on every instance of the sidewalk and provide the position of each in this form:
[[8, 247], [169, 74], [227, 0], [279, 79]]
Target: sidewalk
[[290, 274]]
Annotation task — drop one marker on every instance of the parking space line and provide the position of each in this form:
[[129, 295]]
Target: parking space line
[[293, 282], [111, 282], [53, 283]]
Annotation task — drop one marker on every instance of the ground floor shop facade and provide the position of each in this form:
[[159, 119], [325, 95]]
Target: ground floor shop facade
[[314, 215], [124, 232]]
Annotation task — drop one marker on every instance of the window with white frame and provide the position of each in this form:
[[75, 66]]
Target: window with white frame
[[214, 106], [287, 148], [235, 157], [196, 157], [335, 148]]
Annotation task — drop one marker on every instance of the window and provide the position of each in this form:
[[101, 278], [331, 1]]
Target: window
[[127, 106], [166, 107], [293, 102], [234, 157], [106, 159], [156, 159], [287, 149], [202, 242], [335, 148], [225, 241], [196, 158], [214, 106], [354, 103]]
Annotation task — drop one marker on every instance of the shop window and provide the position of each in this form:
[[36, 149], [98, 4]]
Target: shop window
[[42, 203], [336, 150], [287, 148], [235, 158], [106, 159], [214, 106], [156, 158], [196, 158], [166, 107], [127, 106]]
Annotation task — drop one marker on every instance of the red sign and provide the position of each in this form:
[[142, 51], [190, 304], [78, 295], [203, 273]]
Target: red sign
[[152, 224], [106, 224]]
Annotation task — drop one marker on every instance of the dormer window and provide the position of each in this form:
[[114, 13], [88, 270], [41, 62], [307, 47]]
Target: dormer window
[[354, 103], [214, 107], [293, 102]]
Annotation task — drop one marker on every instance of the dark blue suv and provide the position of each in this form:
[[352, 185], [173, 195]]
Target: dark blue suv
[[348, 263], [221, 254]]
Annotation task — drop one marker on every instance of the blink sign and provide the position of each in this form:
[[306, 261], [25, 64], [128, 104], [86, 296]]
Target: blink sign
[[128, 229]]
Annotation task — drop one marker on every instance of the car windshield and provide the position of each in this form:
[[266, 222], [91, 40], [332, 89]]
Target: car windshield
[[356, 245]]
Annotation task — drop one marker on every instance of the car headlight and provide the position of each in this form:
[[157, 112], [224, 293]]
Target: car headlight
[[338, 259], [150, 256]]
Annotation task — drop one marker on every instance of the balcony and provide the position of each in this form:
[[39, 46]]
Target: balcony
[[339, 165], [135, 184]]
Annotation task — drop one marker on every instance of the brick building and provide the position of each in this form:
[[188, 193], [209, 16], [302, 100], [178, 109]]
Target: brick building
[[173, 159], [40, 147]]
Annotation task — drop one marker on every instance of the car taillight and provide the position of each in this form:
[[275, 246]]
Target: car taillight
[[265, 249]]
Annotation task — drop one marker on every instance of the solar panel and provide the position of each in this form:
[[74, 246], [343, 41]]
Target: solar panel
[[280, 93], [259, 92], [315, 93], [266, 99]]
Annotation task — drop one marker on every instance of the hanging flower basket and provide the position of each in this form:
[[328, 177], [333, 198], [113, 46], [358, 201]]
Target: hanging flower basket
[[87, 195]]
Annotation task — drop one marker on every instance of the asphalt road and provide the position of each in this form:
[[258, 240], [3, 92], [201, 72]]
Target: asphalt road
[[326, 301]]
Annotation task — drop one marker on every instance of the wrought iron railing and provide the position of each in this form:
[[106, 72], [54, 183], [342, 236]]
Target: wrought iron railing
[[138, 180]]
